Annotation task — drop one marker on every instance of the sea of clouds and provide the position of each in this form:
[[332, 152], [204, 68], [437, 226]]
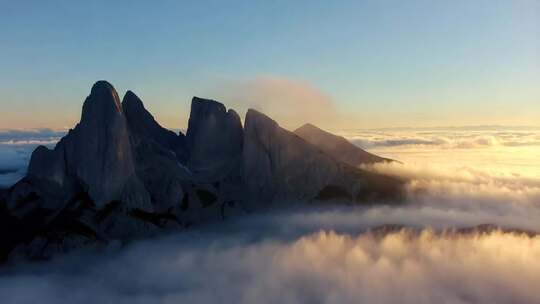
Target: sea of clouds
[[16, 147], [448, 138], [417, 252], [290, 258]]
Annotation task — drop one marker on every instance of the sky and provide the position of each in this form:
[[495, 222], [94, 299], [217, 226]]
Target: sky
[[342, 64]]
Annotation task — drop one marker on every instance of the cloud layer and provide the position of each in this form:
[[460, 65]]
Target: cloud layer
[[449, 138], [16, 146], [416, 252], [404, 266]]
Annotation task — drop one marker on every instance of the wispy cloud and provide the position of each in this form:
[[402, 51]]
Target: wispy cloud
[[290, 102]]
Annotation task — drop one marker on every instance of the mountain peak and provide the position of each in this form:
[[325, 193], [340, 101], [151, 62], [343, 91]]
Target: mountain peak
[[308, 126], [198, 104], [142, 124], [255, 118], [102, 85], [104, 88], [103, 101], [132, 102]]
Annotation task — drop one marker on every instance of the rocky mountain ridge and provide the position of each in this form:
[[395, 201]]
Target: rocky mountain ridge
[[119, 175]]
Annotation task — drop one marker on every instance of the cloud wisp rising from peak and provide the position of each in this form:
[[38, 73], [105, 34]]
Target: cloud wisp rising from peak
[[290, 102]]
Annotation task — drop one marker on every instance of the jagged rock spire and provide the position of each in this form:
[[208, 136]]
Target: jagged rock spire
[[102, 103], [96, 155], [214, 138]]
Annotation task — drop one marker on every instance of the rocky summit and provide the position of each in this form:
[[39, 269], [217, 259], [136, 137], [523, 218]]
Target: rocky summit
[[119, 175]]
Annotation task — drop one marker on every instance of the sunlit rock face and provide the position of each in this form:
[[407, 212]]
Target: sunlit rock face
[[337, 146], [214, 138]]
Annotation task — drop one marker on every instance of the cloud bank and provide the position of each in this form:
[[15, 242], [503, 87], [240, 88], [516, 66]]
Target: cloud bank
[[16, 146], [404, 266], [444, 138], [417, 252]]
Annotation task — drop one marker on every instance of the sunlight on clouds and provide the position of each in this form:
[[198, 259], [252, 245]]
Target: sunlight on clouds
[[410, 267], [405, 266], [499, 151], [422, 251]]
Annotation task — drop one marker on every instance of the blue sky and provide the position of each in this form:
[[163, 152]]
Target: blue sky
[[366, 63]]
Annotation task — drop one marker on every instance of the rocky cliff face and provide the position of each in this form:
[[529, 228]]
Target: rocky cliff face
[[215, 139], [337, 146], [119, 175], [95, 156]]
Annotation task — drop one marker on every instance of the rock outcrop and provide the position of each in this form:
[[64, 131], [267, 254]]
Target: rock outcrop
[[337, 146]]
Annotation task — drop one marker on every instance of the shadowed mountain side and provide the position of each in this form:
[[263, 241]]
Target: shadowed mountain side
[[142, 124], [337, 146], [215, 138], [116, 175], [159, 154], [96, 155]]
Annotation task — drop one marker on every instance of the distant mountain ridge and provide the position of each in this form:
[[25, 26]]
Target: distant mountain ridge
[[119, 175]]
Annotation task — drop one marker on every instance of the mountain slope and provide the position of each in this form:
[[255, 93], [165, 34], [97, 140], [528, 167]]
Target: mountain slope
[[337, 146]]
